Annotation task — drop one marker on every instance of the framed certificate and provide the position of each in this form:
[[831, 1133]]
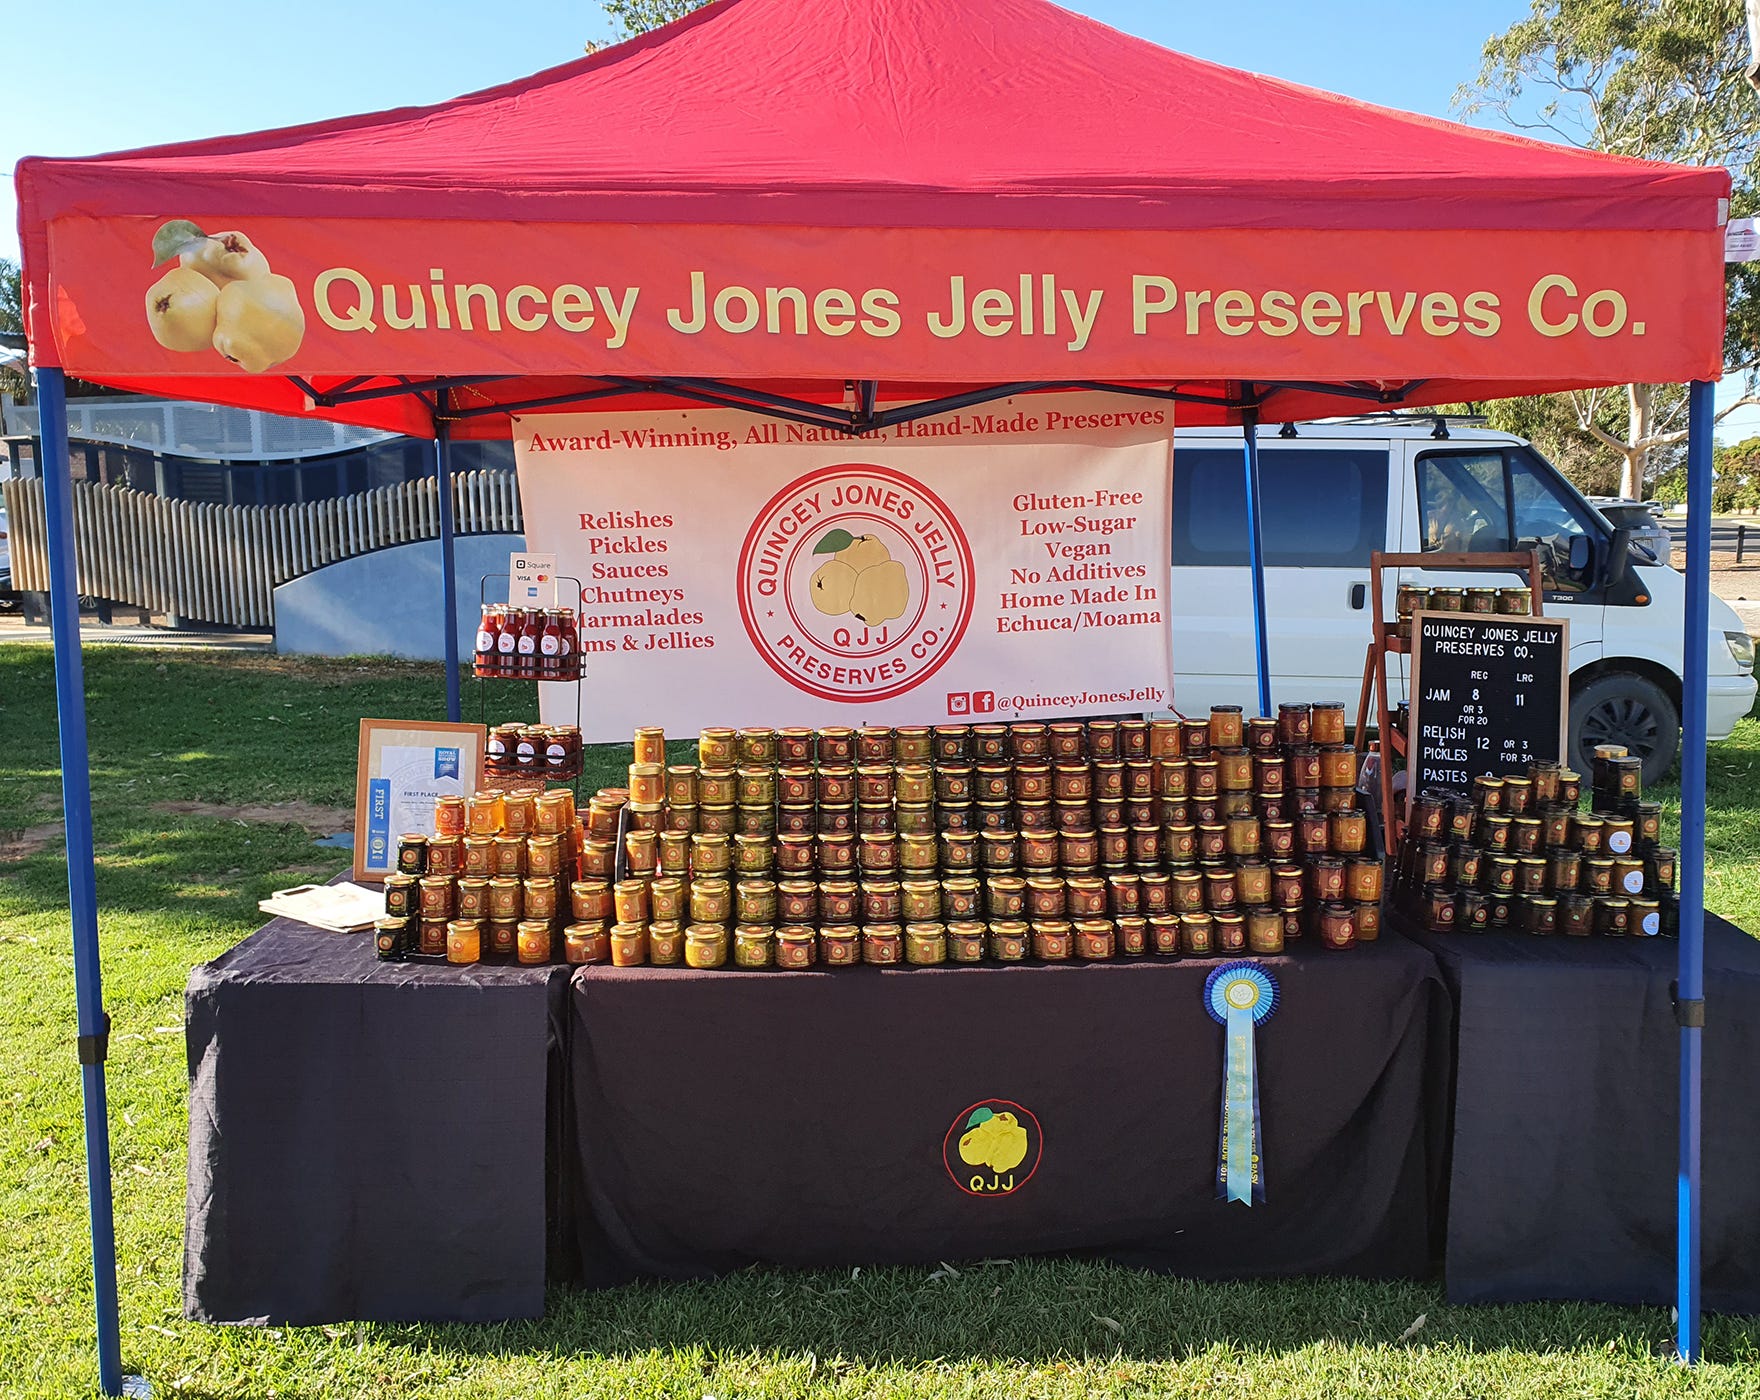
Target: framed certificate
[[404, 765]]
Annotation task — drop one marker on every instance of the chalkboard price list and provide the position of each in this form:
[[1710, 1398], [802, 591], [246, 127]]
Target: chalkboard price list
[[1488, 696]]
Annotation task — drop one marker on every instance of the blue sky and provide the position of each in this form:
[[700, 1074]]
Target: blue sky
[[110, 74]]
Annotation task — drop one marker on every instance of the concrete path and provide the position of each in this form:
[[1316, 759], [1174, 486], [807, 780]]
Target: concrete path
[[135, 633]]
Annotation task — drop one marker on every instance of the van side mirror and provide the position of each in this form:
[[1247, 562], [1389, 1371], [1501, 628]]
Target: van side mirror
[[1579, 557], [1619, 558]]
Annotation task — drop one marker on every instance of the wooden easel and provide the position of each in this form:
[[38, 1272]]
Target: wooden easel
[[1391, 742]]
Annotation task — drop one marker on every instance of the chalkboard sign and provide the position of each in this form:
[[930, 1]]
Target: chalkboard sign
[[1488, 695]]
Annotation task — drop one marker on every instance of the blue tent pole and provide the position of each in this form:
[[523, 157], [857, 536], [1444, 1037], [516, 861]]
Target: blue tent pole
[[1256, 555], [448, 569], [1690, 976], [82, 890]]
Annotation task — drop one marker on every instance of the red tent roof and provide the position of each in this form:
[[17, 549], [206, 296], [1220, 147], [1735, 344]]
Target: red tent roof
[[1009, 115]]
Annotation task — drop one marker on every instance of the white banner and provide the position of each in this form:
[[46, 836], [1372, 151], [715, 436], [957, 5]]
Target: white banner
[[1007, 561]]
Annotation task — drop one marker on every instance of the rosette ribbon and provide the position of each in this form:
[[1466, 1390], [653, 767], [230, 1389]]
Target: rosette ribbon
[[1240, 996]]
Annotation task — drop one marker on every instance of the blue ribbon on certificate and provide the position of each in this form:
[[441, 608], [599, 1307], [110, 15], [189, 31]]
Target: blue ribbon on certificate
[[1240, 996]]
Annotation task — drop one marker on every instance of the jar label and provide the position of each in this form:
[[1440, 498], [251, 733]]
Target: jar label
[[505, 643], [1653, 924], [485, 641], [525, 644], [1634, 882], [1620, 842], [551, 645], [555, 754]]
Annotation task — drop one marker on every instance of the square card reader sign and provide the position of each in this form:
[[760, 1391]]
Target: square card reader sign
[[531, 580], [1001, 562]]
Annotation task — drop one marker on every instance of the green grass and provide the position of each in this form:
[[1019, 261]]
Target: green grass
[[176, 890]]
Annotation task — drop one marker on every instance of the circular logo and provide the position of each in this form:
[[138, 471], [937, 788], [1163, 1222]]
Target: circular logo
[[855, 583], [1620, 842], [1242, 995], [992, 1148]]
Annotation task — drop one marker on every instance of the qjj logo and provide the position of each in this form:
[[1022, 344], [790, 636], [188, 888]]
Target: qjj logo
[[971, 702]]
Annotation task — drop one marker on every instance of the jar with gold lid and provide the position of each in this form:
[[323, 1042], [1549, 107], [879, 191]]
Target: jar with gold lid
[[1338, 926], [882, 944], [510, 855], [540, 897], [1010, 940], [464, 941], [711, 901], [1132, 934], [1197, 935], [965, 941], [584, 943], [1095, 939], [704, 946], [754, 946], [1053, 940], [839, 901], [629, 945], [1264, 932], [1162, 935], [754, 902], [796, 947], [533, 937], [840, 945], [925, 944]]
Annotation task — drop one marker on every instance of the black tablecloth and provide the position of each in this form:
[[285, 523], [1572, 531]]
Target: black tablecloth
[[801, 1118], [1562, 1183], [368, 1140]]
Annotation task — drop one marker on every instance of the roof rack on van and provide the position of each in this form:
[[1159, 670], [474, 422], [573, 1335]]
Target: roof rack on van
[[1439, 421]]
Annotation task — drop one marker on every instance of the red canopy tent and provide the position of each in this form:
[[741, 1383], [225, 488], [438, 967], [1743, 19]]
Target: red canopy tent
[[851, 212], [892, 145]]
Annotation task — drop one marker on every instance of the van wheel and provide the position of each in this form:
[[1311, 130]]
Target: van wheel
[[1619, 707]]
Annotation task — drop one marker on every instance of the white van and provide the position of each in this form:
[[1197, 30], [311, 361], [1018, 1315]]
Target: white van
[[1332, 492]]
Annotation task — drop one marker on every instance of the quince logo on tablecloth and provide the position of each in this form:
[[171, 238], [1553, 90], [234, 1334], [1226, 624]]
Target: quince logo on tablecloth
[[855, 583], [992, 1148]]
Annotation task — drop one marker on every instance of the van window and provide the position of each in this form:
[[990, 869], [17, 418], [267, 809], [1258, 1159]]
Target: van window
[[1318, 508], [1489, 502]]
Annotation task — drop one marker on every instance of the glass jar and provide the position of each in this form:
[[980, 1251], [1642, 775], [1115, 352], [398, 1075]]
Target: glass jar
[[796, 947], [464, 941], [705, 946], [586, 943], [754, 946], [533, 941], [925, 944]]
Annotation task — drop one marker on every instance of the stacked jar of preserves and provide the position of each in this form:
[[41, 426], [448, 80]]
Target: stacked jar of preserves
[[491, 880], [1536, 854], [922, 845]]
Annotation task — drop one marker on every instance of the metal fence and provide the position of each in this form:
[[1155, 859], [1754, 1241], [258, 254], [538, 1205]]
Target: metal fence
[[221, 564]]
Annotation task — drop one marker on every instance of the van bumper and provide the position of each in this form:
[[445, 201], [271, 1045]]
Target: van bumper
[[1727, 700]]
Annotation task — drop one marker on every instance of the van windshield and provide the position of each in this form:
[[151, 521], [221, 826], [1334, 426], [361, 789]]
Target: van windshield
[[1492, 500]]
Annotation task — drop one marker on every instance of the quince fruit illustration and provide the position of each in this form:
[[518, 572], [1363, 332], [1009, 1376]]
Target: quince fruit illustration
[[833, 585], [181, 310], [861, 578], [224, 257], [882, 593], [863, 552], [260, 323], [998, 1142], [222, 295]]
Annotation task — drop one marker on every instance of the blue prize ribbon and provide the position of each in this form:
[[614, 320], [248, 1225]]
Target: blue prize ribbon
[[379, 853], [1240, 995]]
